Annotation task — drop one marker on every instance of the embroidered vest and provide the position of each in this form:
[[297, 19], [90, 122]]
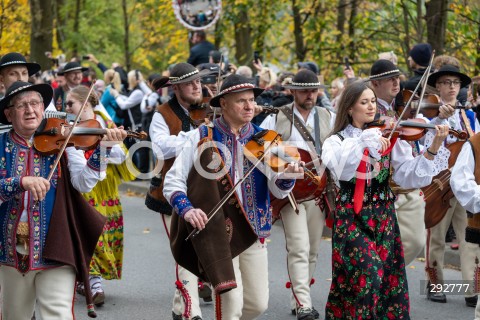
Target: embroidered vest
[[284, 126]]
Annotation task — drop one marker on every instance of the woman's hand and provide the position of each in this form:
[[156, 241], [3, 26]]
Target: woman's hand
[[384, 143], [115, 134], [440, 136]]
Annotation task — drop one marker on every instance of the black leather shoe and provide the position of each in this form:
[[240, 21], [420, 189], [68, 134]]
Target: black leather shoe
[[176, 316], [196, 318], [471, 301], [315, 313], [436, 296], [205, 292], [305, 313]]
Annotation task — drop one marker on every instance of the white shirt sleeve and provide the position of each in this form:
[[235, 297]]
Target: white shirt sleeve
[[343, 157], [269, 122], [165, 145], [176, 178], [82, 176], [462, 180], [135, 98]]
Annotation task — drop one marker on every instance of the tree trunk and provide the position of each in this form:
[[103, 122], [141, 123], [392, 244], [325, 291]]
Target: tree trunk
[[41, 32], [351, 28], [300, 50], [243, 41], [341, 18], [419, 24], [477, 61], [126, 40], [76, 27], [406, 28], [436, 18]]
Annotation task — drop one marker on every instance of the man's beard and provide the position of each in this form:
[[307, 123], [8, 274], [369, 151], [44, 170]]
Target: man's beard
[[306, 106], [192, 100]]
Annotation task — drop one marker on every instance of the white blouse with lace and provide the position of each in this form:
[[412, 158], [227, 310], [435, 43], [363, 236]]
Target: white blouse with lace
[[343, 157]]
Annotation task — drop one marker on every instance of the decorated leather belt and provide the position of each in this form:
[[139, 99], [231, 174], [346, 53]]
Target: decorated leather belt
[[397, 189], [23, 235]]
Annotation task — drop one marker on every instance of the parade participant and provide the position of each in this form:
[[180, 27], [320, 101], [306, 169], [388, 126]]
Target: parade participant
[[73, 73], [465, 183], [201, 48], [241, 283], [305, 126], [171, 119], [14, 67], [48, 230], [368, 269], [107, 262], [448, 80], [409, 204]]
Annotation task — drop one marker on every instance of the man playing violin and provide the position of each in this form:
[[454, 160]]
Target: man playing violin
[[244, 221], [409, 203], [448, 80], [306, 126], [34, 212], [168, 124]]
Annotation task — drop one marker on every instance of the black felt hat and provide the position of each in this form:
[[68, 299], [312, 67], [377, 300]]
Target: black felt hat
[[18, 87], [421, 53], [185, 72], [383, 69], [304, 79], [15, 58], [234, 83], [448, 69], [72, 66]]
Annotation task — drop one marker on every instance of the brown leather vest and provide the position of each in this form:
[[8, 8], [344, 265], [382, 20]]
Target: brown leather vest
[[228, 233], [155, 199], [472, 233]]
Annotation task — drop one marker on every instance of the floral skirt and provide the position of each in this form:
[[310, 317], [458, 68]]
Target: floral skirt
[[108, 256], [369, 279]]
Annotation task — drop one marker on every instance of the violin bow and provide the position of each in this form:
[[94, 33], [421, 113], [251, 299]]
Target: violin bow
[[423, 82], [424, 85], [227, 196]]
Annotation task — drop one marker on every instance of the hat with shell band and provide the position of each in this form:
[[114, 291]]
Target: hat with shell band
[[234, 83], [73, 66], [18, 87], [15, 59], [304, 79], [383, 69], [185, 72]]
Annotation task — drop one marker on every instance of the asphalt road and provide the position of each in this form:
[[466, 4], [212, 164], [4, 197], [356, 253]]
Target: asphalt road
[[146, 290]]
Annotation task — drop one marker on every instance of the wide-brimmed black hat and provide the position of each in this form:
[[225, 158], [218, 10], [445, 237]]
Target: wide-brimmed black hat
[[304, 79], [15, 58], [18, 87], [72, 66], [383, 69], [185, 72], [448, 69], [234, 83]]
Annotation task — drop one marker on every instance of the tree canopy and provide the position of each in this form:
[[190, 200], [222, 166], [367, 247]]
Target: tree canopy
[[145, 34]]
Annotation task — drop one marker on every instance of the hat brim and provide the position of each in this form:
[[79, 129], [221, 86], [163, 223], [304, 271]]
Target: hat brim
[[432, 79], [32, 67], [215, 101], [83, 69], [293, 87], [386, 76], [45, 91], [195, 76]]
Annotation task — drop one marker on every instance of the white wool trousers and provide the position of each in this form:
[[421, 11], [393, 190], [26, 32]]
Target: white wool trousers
[[52, 289], [189, 281], [250, 299], [303, 233]]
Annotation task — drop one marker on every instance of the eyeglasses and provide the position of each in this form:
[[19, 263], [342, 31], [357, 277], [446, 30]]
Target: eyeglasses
[[69, 104], [24, 106], [456, 83]]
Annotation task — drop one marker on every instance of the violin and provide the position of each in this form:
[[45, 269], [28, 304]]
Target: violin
[[410, 130], [52, 133], [429, 106]]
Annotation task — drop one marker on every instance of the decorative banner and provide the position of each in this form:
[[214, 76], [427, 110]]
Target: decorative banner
[[197, 14]]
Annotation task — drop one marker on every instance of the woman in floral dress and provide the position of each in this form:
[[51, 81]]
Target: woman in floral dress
[[369, 279], [108, 256]]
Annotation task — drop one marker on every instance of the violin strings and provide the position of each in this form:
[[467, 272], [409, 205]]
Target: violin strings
[[433, 186]]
